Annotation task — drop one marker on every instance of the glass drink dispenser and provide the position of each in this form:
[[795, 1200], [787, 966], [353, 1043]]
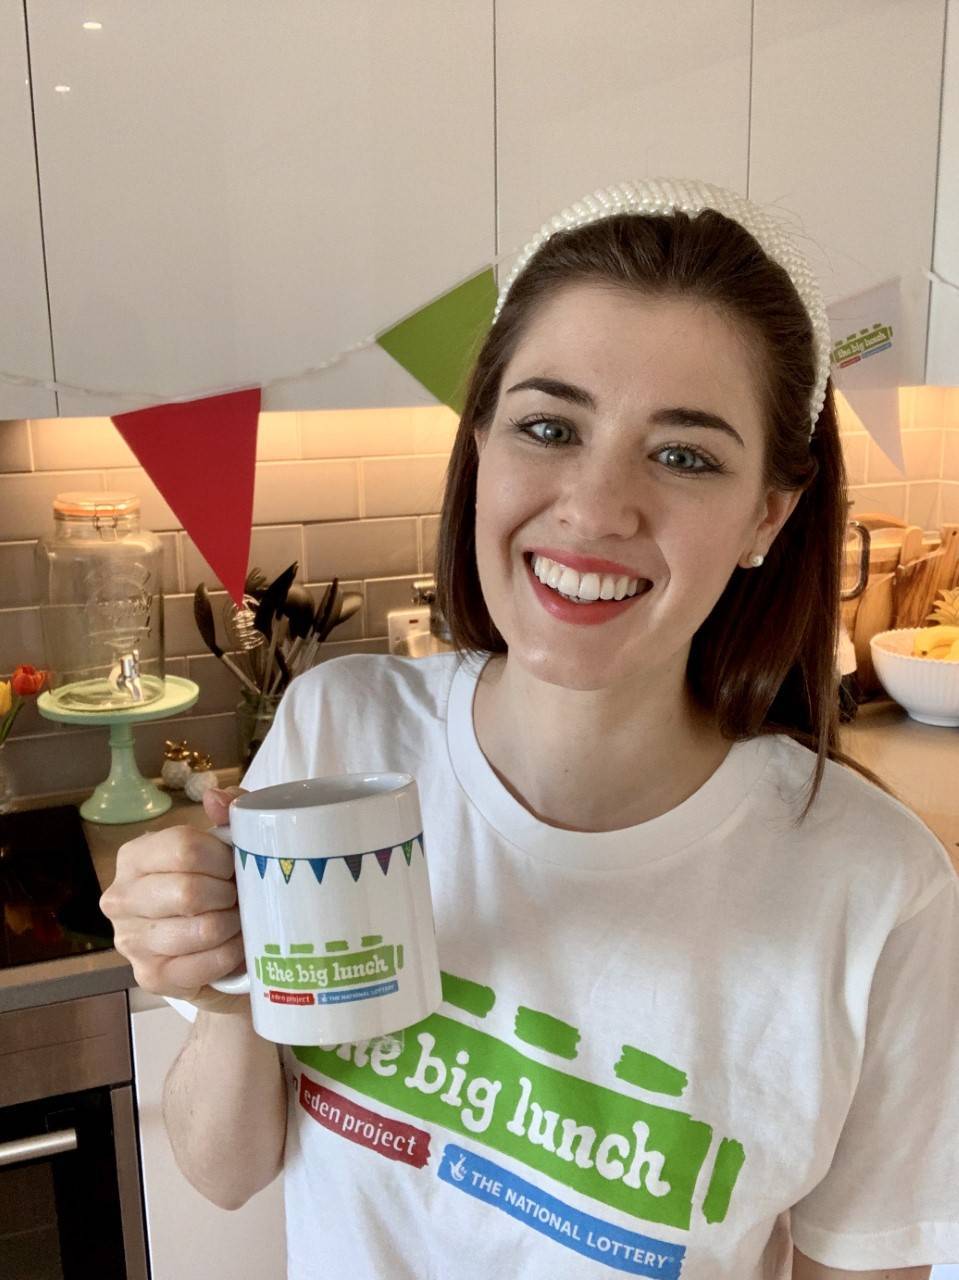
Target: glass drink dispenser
[[101, 603]]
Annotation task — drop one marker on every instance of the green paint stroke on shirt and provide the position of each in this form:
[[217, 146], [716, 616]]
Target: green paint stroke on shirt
[[642, 1069], [729, 1160], [546, 1032], [466, 995], [337, 946]]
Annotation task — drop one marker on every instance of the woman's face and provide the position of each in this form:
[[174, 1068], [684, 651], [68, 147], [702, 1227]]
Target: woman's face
[[633, 475]]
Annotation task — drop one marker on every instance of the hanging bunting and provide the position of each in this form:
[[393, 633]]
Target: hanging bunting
[[243, 857], [355, 863], [318, 866], [437, 343], [261, 861], [201, 455], [867, 363], [407, 850], [383, 858], [286, 866]]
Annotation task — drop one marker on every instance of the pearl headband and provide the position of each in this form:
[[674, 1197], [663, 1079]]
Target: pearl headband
[[660, 195]]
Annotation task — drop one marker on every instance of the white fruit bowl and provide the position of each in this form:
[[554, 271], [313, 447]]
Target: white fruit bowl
[[926, 688]]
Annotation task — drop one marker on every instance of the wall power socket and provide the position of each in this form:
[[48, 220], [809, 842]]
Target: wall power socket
[[403, 624]]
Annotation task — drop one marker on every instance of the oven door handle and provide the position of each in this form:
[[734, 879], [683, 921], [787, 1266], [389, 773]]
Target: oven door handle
[[44, 1144]]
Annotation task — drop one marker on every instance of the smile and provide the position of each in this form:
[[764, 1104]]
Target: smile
[[576, 608]]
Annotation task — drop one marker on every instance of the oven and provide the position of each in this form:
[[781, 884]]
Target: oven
[[70, 1205]]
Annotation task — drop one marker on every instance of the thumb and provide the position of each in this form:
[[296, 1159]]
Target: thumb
[[216, 803]]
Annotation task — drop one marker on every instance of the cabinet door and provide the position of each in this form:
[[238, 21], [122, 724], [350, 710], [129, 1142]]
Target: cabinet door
[[237, 190], [187, 1235], [844, 139], [592, 94], [942, 364], [25, 351]]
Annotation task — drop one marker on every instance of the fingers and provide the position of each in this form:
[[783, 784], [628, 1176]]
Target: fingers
[[183, 849], [169, 893], [182, 937], [194, 971], [216, 803]]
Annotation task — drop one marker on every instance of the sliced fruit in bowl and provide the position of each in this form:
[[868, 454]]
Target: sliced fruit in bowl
[[926, 685]]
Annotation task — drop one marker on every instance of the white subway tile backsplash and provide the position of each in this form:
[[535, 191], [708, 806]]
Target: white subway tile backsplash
[[26, 501], [21, 639], [357, 433], [950, 502], [61, 443], [155, 514], [172, 578], [277, 436], [922, 505], [15, 446], [429, 532], [889, 499], [17, 584], [403, 486], [360, 548], [272, 548], [298, 491], [950, 456]]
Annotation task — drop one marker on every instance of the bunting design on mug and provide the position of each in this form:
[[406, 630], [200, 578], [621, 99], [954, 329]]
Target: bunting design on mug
[[355, 862]]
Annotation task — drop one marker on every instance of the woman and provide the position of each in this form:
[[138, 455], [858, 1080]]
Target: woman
[[700, 972]]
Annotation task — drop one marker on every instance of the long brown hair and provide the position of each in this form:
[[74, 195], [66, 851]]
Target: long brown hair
[[763, 660]]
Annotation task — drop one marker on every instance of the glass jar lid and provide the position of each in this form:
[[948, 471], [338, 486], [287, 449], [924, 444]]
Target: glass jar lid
[[92, 503]]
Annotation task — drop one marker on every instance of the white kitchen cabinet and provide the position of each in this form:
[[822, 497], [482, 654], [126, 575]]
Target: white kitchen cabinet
[[942, 361], [235, 191], [844, 138], [25, 348], [187, 1235], [589, 95]]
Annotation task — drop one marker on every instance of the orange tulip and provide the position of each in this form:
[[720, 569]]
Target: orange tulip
[[27, 680]]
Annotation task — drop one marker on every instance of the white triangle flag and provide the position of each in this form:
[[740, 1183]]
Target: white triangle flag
[[866, 366]]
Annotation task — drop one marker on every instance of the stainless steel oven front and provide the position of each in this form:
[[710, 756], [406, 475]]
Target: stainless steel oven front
[[70, 1204]]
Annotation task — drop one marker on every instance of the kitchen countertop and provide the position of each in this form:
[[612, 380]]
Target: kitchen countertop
[[920, 762]]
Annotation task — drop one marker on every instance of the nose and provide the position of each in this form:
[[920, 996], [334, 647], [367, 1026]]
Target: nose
[[602, 498]]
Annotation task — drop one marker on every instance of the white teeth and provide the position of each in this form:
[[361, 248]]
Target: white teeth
[[584, 587]]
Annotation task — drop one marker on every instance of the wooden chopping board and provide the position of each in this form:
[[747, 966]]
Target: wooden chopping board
[[875, 613], [915, 589]]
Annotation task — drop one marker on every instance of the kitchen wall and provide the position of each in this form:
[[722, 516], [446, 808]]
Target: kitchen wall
[[352, 493]]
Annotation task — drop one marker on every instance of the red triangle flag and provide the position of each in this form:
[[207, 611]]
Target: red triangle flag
[[201, 455]]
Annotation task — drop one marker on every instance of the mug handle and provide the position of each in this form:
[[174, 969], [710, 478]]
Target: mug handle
[[235, 984]]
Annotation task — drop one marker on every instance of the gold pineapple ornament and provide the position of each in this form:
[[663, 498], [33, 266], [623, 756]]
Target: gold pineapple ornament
[[942, 639], [946, 610]]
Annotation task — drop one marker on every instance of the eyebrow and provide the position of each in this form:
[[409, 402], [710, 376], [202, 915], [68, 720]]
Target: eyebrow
[[677, 415]]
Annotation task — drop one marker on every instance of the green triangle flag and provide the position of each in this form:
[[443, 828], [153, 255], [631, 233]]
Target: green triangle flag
[[244, 854], [407, 850], [437, 343]]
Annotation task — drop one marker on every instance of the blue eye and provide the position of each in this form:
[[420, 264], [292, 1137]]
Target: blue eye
[[681, 449], [526, 428]]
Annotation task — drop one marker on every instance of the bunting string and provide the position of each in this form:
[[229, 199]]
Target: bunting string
[[355, 862]]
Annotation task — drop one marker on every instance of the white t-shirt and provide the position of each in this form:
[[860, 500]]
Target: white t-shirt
[[663, 1051]]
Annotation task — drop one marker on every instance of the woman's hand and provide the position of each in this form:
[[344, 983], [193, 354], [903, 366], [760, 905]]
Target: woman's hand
[[173, 909]]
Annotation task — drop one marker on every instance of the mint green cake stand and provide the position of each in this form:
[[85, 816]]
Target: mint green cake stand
[[125, 795]]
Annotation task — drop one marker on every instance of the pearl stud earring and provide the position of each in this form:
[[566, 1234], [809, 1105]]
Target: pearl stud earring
[[756, 560]]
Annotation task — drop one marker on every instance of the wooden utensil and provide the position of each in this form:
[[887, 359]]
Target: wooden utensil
[[912, 547], [875, 614], [915, 588], [949, 572]]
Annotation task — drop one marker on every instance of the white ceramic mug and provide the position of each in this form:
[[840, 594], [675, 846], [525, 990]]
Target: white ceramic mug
[[335, 908]]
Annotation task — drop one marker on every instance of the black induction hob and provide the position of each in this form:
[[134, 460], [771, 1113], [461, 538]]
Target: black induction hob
[[49, 894]]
